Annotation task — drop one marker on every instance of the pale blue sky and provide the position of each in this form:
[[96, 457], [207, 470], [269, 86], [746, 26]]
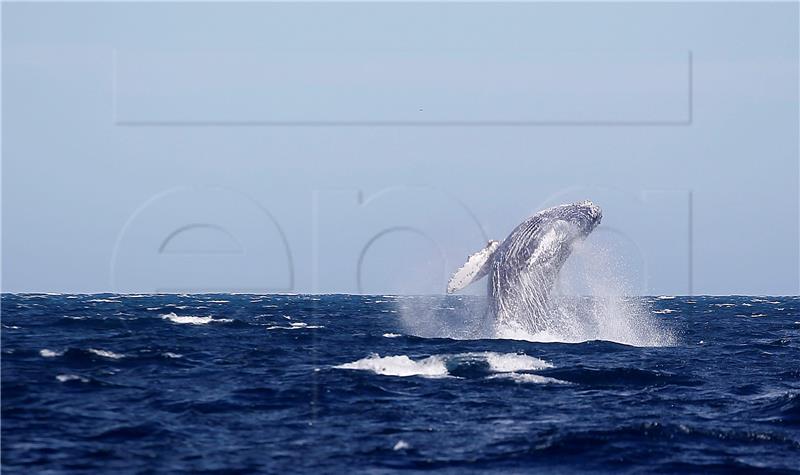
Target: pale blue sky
[[371, 147]]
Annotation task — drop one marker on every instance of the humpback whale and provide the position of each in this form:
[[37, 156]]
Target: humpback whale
[[523, 268]]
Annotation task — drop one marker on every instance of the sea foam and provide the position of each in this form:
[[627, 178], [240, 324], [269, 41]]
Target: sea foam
[[106, 354], [294, 326], [443, 366], [65, 378], [528, 378], [401, 365], [191, 320]]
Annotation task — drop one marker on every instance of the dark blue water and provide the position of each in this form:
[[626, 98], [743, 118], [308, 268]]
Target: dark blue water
[[140, 384]]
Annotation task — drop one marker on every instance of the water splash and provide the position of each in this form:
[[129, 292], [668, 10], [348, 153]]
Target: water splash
[[460, 317], [593, 299]]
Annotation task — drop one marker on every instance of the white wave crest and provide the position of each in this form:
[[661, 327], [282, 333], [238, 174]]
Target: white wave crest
[[63, 378], [437, 366], [402, 365], [45, 353], [294, 326], [106, 354], [509, 362], [528, 378], [401, 445], [191, 320]]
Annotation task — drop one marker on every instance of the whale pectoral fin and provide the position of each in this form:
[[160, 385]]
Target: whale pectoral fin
[[477, 266]]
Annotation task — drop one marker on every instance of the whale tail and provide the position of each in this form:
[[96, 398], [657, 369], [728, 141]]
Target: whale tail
[[477, 266]]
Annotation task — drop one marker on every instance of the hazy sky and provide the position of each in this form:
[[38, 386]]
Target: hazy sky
[[371, 147]]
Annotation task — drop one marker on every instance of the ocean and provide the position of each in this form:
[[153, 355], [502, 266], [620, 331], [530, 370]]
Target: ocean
[[317, 384]]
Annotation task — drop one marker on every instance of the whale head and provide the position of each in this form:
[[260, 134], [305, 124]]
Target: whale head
[[573, 221], [547, 238], [586, 215]]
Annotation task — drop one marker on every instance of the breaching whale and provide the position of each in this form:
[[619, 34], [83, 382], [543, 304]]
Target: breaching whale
[[523, 268]]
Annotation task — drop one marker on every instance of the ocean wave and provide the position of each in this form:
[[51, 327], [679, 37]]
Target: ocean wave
[[45, 353], [782, 409], [87, 355], [509, 362], [294, 326], [505, 405], [463, 365], [65, 378], [192, 320], [621, 377], [528, 378], [401, 445], [106, 354], [402, 365]]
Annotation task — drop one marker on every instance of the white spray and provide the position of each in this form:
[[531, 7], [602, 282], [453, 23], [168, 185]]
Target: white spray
[[592, 300]]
